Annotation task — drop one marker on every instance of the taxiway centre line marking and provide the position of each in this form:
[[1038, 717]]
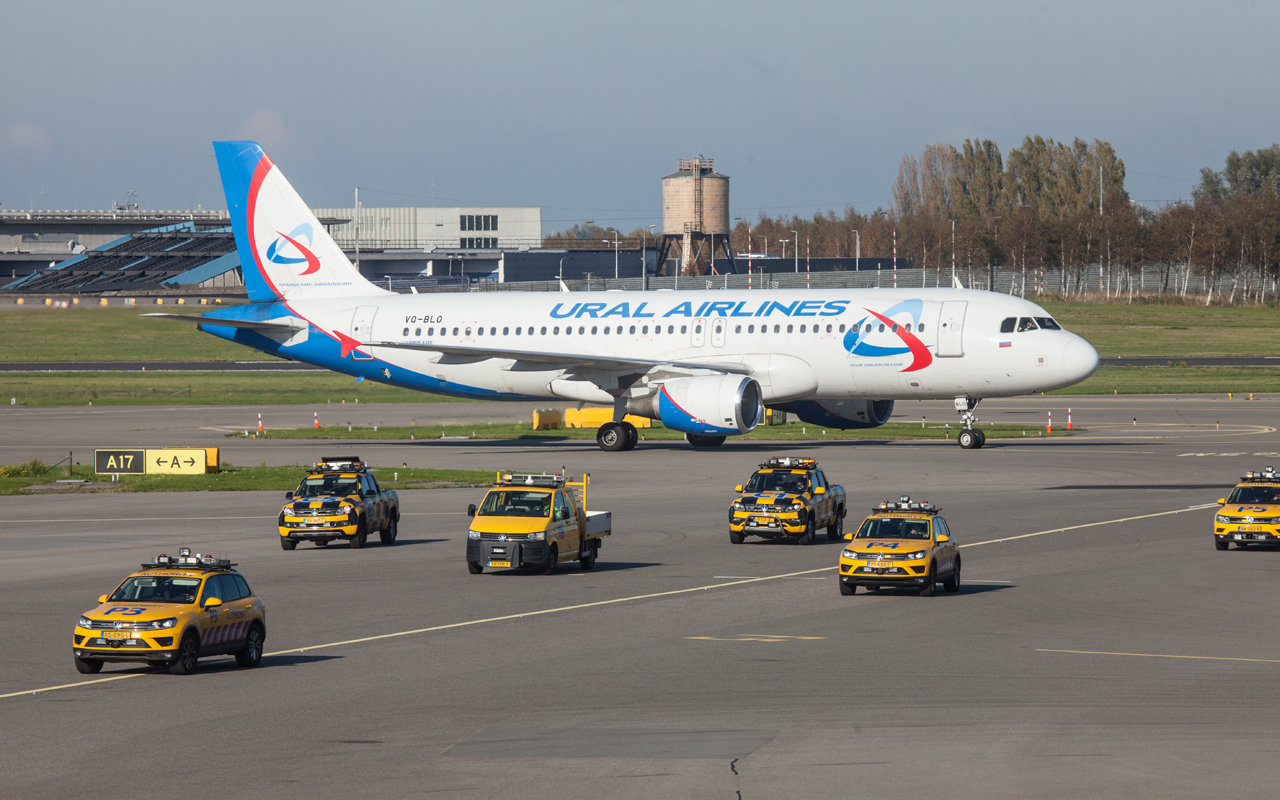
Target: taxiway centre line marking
[[615, 601], [1157, 655]]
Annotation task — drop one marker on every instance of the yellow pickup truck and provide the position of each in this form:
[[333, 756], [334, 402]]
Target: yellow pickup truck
[[537, 521]]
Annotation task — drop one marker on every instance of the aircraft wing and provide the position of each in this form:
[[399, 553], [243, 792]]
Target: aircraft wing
[[287, 324], [565, 360]]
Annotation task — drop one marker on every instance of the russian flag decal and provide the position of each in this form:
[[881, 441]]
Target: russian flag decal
[[1006, 344]]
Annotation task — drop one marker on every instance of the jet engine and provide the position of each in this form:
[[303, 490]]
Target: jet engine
[[711, 405], [842, 414]]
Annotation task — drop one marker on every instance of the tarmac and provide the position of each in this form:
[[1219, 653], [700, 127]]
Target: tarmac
[[1099, 645]]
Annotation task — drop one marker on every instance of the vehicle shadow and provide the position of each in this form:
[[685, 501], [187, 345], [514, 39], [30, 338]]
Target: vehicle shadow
[[372, 544], [571, 568], [965, 588], [269, 662]]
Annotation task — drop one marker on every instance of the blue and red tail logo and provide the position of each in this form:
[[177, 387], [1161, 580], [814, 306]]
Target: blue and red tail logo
[[288, 243], [867, 338]]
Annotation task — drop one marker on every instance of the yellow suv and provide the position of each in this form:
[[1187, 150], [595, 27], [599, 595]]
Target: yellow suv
[[172, 612], [904, 544], [1251, 515]]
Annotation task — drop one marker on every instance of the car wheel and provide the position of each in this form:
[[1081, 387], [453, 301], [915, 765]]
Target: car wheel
[[736, 537], [807, 537], [952, 583], [389, 535], [322, 542], [251, 653], [475, 569], [553, 559], [930, 582], [848, 588], [87, 667], [1222, 545], [589, 560], [968, 440], [835, 531], [632, 435], [982, 439], [188, 655], [703, 441], [287, 544], [358, 540], [611, 437]]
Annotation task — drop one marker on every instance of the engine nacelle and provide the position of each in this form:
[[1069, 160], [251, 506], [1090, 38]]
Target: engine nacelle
[[841, 414], [711, 405]]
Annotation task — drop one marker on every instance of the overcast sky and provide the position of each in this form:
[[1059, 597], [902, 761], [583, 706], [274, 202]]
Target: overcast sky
[[581, 107]]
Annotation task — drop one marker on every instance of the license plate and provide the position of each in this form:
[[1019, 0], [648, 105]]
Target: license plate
[[764, 521], [117, 635], [499, 563], [1250, 528], [881, 564]]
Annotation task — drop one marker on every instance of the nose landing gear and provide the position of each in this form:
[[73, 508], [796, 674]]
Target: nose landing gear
[[969, 438]]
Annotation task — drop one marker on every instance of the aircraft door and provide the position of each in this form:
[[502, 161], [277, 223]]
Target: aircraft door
[[699, 335], [718, 326], [362, 329], [951, 329]]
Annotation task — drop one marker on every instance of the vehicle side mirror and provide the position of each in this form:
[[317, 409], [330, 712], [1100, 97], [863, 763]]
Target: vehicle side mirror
[[738, 488], [370, 493], [943, 538], [103, 599], [212, 602], [1222, 501], [819, 490], [849, 536], [288, 495], [471, 510]]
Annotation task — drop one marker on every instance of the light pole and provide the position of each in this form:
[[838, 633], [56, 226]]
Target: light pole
[[797, 241], [615, 253], [953, 253], [644, 260], [991, 261], [783, 242], [562, 269], [858, 252]]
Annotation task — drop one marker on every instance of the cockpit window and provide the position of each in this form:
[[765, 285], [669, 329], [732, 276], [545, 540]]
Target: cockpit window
[[1026, 324], [1008, 324], [1048, 324]]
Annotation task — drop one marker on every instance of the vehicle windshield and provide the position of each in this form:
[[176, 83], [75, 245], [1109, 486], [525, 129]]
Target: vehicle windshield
[[511, 503], [1048, 323], [157, 589], [778, 482], [894, 528], [321, 485], [1255, 495]]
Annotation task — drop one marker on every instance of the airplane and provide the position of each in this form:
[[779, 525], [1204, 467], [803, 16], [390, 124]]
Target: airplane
[[704, 362]]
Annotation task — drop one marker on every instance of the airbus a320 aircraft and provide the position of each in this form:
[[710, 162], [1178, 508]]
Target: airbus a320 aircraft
[[705, 363]]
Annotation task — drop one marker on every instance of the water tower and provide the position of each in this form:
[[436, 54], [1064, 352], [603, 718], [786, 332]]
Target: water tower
[[695, 217]]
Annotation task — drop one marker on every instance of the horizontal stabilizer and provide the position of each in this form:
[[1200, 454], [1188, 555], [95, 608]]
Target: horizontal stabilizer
[[285, 324]]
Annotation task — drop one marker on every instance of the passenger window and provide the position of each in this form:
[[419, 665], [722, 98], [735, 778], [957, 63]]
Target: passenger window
[[788, 329], [479, 331], [245, 591], [751, 329], [737, 329], [373, 483], [671, 329], [881, 327], [684, 328], [802, 329], [212, 588], [919, 328], [1008, 324], [842, 327], [1026, 324], [593, 330], [406, 332], [544, 330], [645, 329], [555, 331], [633, 328], [417, 331], [777, 328]]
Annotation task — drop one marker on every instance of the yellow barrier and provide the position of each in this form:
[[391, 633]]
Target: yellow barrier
[[21, 301], [75, 301], [48, 301], [159, 301], [102, 302], [595, 417], [546, 419]]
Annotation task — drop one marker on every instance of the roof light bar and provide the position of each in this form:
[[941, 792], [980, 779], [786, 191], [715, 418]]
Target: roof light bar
[[904, 503]]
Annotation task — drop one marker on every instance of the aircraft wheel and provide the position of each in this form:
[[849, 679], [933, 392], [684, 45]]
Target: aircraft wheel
[[982, 439], [632, 435], [698, 440], [968, 440], [611, 437]]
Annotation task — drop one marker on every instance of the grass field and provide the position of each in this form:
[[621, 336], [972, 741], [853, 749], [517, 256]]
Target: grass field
[[1178, 380], [112, 334], [793, 431], [240, 479], [1172, 331], [198, 389]]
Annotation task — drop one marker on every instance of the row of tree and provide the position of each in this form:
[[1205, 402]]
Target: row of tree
[[1046, 205]]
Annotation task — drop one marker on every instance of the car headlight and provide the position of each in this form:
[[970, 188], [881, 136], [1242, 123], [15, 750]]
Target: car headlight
[[1221, 518], [738, 506], [164, 623], [795, 506], [85, 623], [536, 537], [917, 555], [473, 534], [848, 554]]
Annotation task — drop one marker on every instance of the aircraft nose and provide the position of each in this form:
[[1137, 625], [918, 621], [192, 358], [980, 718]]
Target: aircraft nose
[[1079, 360]]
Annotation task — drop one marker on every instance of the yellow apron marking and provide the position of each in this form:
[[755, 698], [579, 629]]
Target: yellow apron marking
[[756, 637], [1158, 655]]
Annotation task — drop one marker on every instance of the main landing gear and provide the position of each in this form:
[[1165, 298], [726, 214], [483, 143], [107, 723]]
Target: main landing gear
[[615, 436], [969, 438]]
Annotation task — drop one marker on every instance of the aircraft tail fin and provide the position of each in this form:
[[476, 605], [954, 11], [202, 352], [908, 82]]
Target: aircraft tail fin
[[284, 251]]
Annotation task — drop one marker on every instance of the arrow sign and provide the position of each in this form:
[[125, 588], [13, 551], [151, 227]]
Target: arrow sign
[[177, 461]]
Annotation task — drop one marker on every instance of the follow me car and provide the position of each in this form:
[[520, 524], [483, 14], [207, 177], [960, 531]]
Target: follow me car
[[901, 544], [1251, 515], [171, 613]]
